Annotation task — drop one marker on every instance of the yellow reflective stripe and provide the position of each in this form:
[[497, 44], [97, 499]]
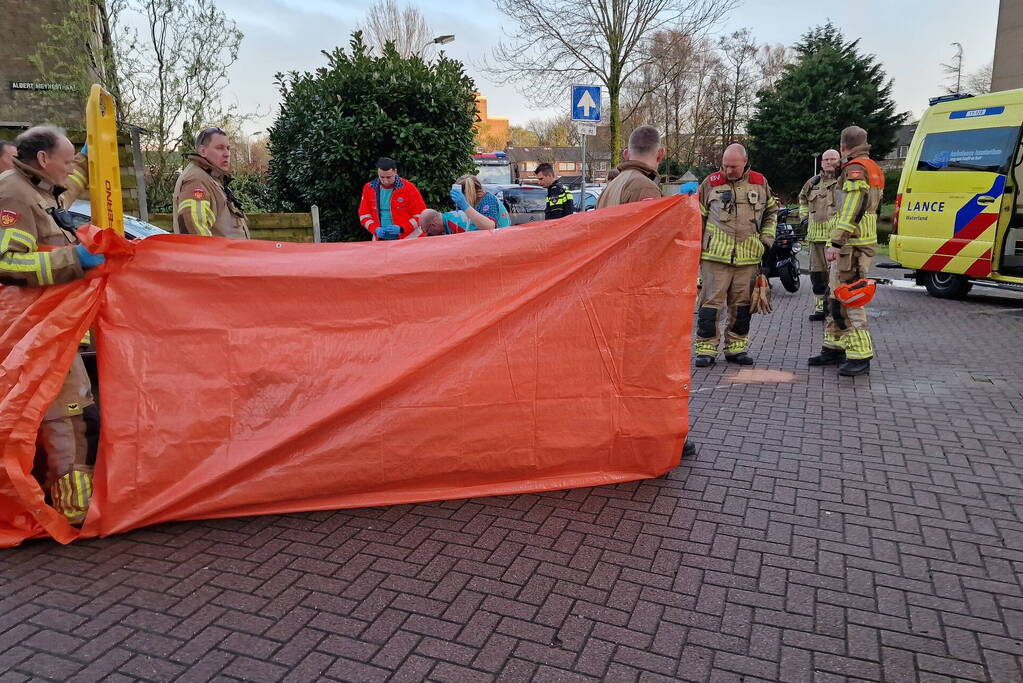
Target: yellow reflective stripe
[[703, 210], [209, 218], [46, 268], [706, 349], [78, 178], [14, 235], [37, 263], [737, 346], [844, 218]]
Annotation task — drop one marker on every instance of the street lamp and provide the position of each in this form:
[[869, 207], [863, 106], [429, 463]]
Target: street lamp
[[439, 40]]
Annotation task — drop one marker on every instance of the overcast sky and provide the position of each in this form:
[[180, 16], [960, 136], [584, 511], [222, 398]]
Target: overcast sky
[[911, 38]]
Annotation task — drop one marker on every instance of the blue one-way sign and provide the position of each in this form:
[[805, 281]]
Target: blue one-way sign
[[586, 103]]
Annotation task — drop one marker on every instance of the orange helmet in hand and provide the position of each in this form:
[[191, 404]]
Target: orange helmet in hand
[[856, 294]]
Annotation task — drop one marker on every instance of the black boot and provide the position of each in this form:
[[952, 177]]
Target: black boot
[[742, 358], [818, 315], [704, 361], [688, 449], [827, 356], [853, 368]]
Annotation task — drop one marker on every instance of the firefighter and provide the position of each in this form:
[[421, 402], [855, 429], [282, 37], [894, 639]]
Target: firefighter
[[32, 215], [203, 201], [8, 151], [391, 205], [559, 199], [853, 240], [817, 207], [740, 219]]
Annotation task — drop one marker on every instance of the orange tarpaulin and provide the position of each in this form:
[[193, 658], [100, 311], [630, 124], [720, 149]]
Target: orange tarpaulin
[[242, 378]]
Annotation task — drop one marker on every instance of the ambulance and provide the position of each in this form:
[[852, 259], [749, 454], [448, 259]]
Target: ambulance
[[958, 218]]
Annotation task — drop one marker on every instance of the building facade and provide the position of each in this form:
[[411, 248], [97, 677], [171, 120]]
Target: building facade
[[1007, 70], [491, 131]]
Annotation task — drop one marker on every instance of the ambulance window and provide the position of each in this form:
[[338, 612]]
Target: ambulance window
[[981, 149]]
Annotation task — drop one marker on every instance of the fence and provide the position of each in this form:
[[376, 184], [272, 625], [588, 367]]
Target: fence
[[275, 227]]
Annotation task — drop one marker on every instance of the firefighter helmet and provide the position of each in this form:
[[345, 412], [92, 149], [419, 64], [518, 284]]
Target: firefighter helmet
[[856, 294]]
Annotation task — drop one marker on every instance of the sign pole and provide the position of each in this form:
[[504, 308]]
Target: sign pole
[[582, 188]]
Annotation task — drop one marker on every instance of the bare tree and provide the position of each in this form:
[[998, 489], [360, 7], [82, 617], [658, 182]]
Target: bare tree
[[772, 60], [557, 42], [954, 71], [167, 76], [404, 26], [979, 82], [554, 131]]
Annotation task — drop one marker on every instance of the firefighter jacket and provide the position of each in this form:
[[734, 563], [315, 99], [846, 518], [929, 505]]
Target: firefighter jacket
[[858, 198], [34, 250], [817, 206], [740, 218], [559, 202], [636, 182], [406, 205], [204, 203]]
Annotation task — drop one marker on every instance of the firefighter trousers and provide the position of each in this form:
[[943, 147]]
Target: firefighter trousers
[[725, 287], [818, 274], [846, 328], [62, 435]]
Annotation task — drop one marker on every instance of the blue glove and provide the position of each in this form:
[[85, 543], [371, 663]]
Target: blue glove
[[84, 151], [689, 188], [87, 258], [458, 197], [388, 232]]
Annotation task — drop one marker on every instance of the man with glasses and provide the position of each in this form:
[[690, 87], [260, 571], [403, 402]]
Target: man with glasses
[[203, 201], [32, 216]]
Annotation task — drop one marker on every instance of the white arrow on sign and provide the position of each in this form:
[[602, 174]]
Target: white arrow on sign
[[586, 103]]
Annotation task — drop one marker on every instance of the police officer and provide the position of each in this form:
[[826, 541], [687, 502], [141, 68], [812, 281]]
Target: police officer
[[853, 241], [203, 201], [740, 218], [817, 207], [32, 216], [559, 199]]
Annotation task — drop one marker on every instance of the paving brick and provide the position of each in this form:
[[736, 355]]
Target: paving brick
[[784, 550]]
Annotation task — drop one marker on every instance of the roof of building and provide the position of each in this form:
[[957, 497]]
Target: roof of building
[[534, 153]]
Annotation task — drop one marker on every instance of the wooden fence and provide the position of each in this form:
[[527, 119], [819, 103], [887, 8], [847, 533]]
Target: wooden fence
[[275, 227]]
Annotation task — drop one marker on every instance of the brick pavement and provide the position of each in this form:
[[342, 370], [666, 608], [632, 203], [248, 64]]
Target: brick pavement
[[785, 551]]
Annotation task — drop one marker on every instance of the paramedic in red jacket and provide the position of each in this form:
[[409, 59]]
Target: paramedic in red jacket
[[390, 205]]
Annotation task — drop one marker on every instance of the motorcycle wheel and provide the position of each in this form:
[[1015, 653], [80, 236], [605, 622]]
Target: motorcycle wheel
[[789, 276]]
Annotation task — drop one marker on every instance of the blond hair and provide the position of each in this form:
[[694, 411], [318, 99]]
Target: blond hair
[[471, 188]]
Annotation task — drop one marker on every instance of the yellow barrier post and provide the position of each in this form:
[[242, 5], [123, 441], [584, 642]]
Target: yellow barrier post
[[104, 164]]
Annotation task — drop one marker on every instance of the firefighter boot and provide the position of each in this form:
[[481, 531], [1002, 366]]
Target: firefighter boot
[[827, 356], [855, 367], [688, 449], [741, 358], [704, 361]]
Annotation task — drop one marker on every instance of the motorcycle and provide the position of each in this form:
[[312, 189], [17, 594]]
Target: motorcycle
[[780, 261]]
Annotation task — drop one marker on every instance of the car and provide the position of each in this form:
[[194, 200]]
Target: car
[[134, 228], [592, 195], [525, 203]]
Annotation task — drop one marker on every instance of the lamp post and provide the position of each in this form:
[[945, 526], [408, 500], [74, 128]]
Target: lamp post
[[439, 40]]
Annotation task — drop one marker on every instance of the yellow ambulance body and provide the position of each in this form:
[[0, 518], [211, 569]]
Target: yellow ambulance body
[[958, 216]]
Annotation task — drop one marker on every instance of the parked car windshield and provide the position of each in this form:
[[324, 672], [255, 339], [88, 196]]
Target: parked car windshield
[[526, 199]]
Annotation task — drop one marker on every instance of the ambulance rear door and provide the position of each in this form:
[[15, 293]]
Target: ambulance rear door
[[953, 198]]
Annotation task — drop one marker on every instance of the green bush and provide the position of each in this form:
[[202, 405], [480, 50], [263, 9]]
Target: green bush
[[891, 186], [336, 122]]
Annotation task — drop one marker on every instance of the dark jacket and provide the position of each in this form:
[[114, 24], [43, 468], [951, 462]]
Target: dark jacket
[[559, 202]]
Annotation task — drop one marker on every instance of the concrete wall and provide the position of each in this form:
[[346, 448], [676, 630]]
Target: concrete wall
[[1008, 64]]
